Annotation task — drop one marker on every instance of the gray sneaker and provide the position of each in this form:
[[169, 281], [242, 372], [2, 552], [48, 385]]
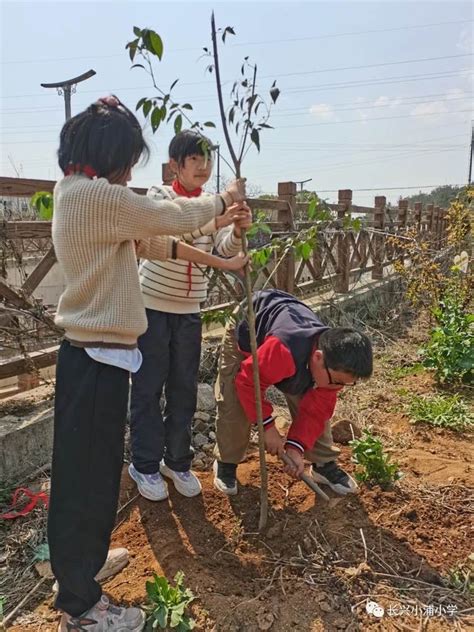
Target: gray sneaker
[[150, 486], [104, 617]]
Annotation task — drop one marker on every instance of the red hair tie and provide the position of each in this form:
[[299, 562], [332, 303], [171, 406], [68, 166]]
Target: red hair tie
[[87, 170], [111, 101]]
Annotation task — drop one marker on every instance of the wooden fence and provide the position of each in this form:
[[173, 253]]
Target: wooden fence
[[340, 255]]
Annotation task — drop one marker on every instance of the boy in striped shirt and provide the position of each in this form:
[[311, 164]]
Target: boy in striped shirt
[[173, 291]]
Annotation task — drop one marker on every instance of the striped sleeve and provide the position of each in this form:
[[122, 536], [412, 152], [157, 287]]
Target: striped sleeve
[[226, 243]]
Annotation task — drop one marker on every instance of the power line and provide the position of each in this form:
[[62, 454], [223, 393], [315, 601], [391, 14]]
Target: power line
[[370, 120], [404, 101], [280, 113], [393, 63], [260, 42], [420, 186], [379, 65]]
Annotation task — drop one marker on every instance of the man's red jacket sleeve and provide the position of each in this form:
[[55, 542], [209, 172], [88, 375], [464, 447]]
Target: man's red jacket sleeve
[[275, 363], [315, 408]]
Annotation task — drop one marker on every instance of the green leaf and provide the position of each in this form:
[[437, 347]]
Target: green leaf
[[42, 201], [173, 84], [209, 124], [162, 616], [156, 44], [137, 31], [41, 553], [140, 103], [146, 107], [186, 106], [255, 138], [138, 66], [178, 123], [306, 251], [156, 119], [132, 49]]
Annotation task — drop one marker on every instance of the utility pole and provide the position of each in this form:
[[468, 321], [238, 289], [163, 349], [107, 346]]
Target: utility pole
[[301, 182], [67, 88], [470, 154], [217, 149]]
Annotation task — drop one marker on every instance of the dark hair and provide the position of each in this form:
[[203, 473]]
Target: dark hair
[[347, 350], [106, 137], [187, 143]]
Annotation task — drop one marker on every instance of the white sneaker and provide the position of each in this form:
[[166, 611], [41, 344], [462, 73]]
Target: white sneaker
[[116, 560], [186, 483], [150, 486], [104, 617]]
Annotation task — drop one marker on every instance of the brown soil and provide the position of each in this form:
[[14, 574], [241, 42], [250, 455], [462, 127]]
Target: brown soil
[[318, 563]]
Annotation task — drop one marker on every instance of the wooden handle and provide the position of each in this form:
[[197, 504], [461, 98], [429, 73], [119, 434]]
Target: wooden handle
[[306, 479]]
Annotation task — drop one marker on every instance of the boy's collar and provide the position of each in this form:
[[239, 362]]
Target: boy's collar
[[180, 190]]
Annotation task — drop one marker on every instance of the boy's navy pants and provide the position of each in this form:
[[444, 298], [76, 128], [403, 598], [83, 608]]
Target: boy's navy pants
[[171, 349], [89, 424]]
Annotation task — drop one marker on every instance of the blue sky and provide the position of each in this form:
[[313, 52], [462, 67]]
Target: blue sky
[[339, 65]]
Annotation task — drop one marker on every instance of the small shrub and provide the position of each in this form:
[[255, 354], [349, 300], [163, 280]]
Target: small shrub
[[450, 350], [374, 467], [168, 603], [443, 411]]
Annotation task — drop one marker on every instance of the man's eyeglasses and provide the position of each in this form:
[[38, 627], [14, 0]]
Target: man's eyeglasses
[[335, 382]]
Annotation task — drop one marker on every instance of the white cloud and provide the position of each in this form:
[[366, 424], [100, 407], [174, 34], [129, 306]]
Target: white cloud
[[429, 109], [323, 111], [464, 42], [382, 101]]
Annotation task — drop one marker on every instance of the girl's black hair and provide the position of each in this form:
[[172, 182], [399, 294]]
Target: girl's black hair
[[106, 137], [347, 350], [187, 143]]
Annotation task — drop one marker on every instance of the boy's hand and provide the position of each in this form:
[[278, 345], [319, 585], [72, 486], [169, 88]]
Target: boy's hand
[[235, 263], [298, 463], [274, 443], [235, 192], [244, 219], [234, 213]]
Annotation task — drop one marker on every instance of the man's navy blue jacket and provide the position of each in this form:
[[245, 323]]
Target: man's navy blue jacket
[[287, 333]]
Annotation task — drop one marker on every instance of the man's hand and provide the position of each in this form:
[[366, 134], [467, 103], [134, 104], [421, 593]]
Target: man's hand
[[274, 443], [298, 463]]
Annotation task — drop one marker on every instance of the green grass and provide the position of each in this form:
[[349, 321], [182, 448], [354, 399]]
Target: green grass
[[402, 371], [442, 411]]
